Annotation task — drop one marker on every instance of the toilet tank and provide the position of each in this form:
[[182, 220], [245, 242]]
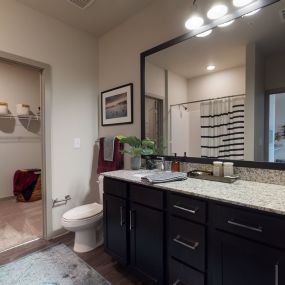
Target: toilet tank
[[101, 188]]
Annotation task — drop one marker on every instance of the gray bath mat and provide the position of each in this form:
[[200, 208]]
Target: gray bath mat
[[55, 265]]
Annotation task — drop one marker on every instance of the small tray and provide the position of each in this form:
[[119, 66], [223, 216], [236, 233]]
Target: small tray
[[206, 176]]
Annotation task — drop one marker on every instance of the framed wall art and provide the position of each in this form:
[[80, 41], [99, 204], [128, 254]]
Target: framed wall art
[[117, 105]]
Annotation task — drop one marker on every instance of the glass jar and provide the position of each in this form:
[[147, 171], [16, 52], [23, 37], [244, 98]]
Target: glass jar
[[218, 168], [228, 169]]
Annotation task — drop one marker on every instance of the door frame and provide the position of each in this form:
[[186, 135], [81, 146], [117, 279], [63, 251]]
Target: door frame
[[266, 117], [45, 97]]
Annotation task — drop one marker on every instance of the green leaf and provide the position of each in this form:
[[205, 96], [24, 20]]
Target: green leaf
[[138, 147]]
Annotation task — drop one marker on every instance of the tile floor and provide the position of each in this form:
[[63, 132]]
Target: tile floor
[[19, 222]]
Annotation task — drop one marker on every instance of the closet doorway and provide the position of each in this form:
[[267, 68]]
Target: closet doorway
[[23, 152]]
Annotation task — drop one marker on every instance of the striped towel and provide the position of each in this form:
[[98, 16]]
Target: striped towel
[[163, 177]]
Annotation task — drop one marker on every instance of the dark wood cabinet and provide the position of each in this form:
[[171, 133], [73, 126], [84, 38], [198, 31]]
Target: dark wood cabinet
[[181, 274], [171, 238], [115, 227], [146, 243], [134, 230], [239, 261]]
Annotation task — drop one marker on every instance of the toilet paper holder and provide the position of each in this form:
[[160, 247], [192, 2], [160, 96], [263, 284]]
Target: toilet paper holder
[[56, 202]]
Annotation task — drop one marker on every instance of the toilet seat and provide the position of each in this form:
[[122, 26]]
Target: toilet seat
[[85, 212]]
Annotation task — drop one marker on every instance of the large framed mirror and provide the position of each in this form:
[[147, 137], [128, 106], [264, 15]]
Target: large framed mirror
[[221, 96]]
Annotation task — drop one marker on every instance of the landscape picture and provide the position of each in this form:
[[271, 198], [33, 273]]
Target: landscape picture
[[116, 106]]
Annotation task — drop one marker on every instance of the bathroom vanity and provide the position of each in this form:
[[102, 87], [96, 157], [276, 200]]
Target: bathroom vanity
[[196, 232]]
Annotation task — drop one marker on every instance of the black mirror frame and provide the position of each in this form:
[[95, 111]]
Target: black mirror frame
[[237, 14]]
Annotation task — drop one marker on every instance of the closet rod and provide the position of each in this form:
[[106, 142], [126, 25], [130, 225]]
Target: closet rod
[[199, 101]]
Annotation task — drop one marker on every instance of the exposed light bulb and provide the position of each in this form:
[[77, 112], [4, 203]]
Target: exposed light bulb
[[251, 13], [241, 3], [211, 67], [205, 34], [217, 11], [194, 22], [226, 24]]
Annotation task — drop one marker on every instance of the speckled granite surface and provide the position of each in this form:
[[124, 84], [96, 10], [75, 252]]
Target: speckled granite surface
[[250, 174], [261, 196]]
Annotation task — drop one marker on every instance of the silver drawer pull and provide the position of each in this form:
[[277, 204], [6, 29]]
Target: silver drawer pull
[[132, 226], [186, 209], [189, 244], [276, 274], [122, 222], [178, 282], [252, 228]]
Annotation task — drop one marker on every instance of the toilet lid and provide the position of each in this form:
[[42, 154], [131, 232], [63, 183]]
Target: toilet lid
[[83, 212]]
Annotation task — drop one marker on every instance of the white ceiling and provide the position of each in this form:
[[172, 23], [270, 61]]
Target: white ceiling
[[225, 48], [97, 19]]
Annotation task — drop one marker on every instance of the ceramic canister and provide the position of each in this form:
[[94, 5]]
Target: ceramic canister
[[3, 108], [23, 109]]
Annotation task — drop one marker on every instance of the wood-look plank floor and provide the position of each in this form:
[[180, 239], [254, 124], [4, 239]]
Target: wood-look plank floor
[[19, 222], [97, 259]]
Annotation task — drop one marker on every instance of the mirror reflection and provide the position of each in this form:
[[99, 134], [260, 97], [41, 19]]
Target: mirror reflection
[[222, 95]]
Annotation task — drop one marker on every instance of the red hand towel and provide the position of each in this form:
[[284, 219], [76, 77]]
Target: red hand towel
[[118, 159]]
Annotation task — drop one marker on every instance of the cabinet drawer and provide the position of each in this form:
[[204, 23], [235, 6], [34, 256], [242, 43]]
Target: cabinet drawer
[[180, 274], [187, 207], [146, 196], [187, 242], [254, 225], [115, 187]]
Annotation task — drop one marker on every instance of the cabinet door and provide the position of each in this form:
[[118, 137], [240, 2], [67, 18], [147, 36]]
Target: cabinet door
[[146, 238], [242, 262], [115, 228]]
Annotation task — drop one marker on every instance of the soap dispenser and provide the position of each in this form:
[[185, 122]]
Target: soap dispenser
[[175, 165]]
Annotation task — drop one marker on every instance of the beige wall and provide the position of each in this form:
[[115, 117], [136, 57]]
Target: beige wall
[[72, 56], [154, 80], [119, 52], [217, 84], [275, 70], [18, 84], [179, 124]]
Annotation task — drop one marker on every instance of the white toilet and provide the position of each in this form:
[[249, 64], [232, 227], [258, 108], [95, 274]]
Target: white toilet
[[87, 223]]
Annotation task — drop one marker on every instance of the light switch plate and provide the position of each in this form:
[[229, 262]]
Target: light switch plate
[[76, 143]]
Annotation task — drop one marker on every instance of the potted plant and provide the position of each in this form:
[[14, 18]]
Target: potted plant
[[137, 149]]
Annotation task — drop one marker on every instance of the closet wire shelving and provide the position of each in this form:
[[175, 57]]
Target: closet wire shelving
[[30, 118]]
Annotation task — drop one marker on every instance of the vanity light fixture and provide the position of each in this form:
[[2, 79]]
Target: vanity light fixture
[[205, 34], [211, 67], [226, 24], [241, 3], [251, 13], [217, 11], [194, 22]]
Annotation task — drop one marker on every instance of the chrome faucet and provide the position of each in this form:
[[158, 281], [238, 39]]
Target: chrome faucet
[[162, 166]]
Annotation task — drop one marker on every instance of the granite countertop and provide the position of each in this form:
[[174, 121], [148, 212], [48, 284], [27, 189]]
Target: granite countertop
[[261, 196]]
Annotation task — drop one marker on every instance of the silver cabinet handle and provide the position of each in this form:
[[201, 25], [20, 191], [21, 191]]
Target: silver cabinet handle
[[131, 220], [189, 244], [276, 274], [178, 282], [121, 216], [240, 225], [186, 209]]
